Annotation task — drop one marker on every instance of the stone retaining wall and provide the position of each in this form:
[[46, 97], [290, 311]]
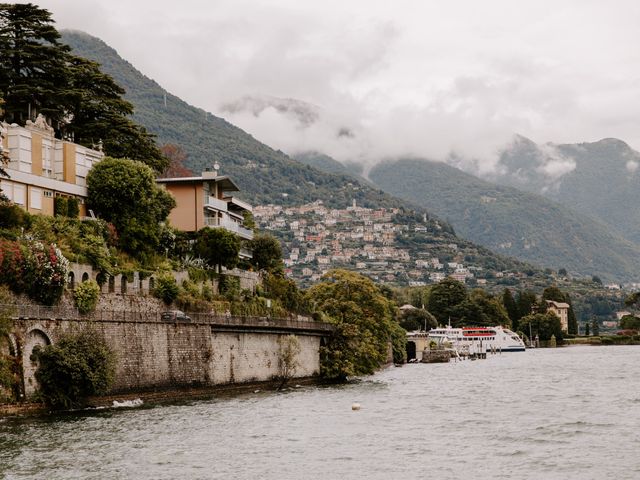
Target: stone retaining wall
[[154, 355]]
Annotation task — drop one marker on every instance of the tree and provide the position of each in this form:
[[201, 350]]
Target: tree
[[481, 309], [78, 366], [595, 327], [288, 351], [545, 325], [219, 247], [632, 299], [630, 322], [526, 302], [417, 319], [511, 307], [100, 114], [177, 157], [285, 290], [124, 192], [267, 253], [39, 75], [586, 329], [444, 297], [32, 64], [364, 324], [596, 279]]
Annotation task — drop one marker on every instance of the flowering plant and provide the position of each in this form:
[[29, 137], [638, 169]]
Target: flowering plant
[[34, 268]]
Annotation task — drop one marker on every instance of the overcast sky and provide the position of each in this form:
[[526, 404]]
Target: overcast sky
[[422, 77]]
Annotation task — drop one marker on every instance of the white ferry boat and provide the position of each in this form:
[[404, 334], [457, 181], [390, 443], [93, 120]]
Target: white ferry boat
[[481, 339]]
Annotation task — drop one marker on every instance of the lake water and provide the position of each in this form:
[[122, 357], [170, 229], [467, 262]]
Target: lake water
[[571, 413]]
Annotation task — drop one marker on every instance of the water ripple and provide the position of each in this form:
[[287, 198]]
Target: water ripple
[[544, 414]]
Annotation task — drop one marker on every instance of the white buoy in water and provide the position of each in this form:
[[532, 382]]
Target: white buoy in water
[[355, 406]]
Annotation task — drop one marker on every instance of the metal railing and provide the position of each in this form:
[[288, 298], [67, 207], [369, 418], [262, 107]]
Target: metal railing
[[213, 318]]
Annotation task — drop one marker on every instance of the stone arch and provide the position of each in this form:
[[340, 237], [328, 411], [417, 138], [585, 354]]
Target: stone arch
[[112, 284], [36, 336], [9, 345], [123, 284], [101, 278], [85, 277], [71, 280]]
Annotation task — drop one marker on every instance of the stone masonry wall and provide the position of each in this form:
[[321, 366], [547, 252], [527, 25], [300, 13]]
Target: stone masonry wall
[[240, 357], [154, 355]]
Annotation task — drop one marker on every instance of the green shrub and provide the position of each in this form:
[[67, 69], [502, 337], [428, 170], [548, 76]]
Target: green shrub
[[86, 296], [190, 303], [60, 207], [73, 207], [96, 251], [207, 292], [166, 289], [229, 286], [12, 216], [198, 274], [78, 366], [191, 288]]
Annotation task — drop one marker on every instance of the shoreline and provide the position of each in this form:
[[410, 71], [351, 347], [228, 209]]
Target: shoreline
[[155, 397]]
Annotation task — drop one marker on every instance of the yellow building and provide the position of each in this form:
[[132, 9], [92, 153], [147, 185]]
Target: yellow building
[[562, 311], [42, 167]]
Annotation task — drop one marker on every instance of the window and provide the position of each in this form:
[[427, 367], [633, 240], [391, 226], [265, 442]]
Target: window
[[35, 199], [7, 189], [18, 194]]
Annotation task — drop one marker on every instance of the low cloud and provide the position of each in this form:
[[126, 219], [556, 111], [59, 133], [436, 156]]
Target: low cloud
[[632, 166], [451, 82]]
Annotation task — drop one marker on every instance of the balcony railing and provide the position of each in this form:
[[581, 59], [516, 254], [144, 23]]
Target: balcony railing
[[234, 227], [216, 203], [146, 316]]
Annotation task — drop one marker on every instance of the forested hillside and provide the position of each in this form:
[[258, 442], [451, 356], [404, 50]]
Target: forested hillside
[[263, 174], [510, 221], [602, 179]]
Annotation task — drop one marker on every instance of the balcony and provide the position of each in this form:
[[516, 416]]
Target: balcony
[[239, 204], [215, 204], [229, 225]]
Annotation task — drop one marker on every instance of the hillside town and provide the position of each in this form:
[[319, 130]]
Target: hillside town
[[374, 242]]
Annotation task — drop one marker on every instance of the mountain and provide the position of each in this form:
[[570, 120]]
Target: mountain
[[267, 176], [599, 179], [328, 164], [511, 222], [264, 175]]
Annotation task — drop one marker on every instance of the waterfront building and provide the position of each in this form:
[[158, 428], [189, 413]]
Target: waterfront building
[[561, 309], [42, 167]]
